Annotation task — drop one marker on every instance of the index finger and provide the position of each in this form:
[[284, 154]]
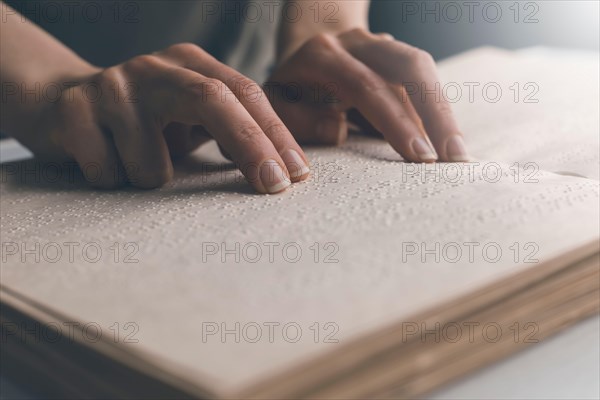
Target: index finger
[[199, 100], [402, 64], [252, 98]]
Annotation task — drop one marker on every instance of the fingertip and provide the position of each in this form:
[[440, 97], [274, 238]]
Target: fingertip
[[296, 165], [423, 150], [270, 178], [456, 150]]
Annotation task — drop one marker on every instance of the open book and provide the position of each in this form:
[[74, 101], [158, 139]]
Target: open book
[[376, 278]]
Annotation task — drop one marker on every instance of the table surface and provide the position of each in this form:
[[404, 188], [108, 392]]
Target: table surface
[[565, 366]]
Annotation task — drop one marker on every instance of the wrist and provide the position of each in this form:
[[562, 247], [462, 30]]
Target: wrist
[[319, 17]]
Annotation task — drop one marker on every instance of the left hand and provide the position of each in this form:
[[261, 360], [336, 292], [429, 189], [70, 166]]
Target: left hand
[[393, 86]]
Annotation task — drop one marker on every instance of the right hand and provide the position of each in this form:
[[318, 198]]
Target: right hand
[[168, 103]]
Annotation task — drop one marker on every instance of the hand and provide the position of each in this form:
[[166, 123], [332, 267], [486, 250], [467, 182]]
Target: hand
[[382, 79], [157, 106]]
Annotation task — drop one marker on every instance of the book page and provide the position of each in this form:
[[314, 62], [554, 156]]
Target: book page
[[535, 105], [224, 287]]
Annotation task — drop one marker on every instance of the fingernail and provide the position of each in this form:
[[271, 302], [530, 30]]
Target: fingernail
[[296, 166], [273, 178], [424, 150], [456, 149]]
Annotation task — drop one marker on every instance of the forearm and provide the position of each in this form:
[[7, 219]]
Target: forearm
[[30, 60], [319, 16]]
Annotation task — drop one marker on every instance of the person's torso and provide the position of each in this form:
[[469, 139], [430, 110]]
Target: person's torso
[[240, 33]]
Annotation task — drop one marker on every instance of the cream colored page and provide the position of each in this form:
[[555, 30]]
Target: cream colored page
[[373, 219], [534, 105]]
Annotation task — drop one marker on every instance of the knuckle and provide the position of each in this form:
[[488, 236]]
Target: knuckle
[[403, 118], [203, 89], [224, 93], [100, 94], [239, 82], [419, 57], [425, 57], [276, 131], [321, 42], [109, 77], [386, 37], [369, 83], [443, 107], [141, 64], [361, 33], [184, 49], [218, 85], [197, 88], [249, 133]]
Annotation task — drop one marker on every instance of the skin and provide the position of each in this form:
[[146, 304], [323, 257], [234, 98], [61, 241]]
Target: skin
[[172, 101]]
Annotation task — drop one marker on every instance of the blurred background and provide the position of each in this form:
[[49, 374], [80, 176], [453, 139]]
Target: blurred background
[[444, 28]]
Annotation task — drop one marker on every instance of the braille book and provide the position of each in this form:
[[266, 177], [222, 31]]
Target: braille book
[[375, 278]]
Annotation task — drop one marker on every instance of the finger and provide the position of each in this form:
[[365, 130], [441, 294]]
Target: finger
[[184, 139], [224, 152], [311, 124], [138, 137], [386, 36], [363, 89], [91, 147], [365, 126], [209, 102], [142, 148], [252, 98], [361, 124], [99, 159], [402, 64]]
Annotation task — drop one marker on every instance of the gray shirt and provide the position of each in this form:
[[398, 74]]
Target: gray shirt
[[240, 33]]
